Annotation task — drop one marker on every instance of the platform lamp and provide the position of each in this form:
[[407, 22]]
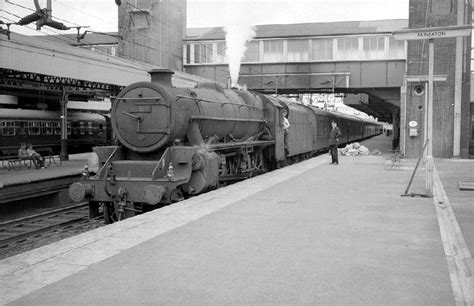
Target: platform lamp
[[64, 99]]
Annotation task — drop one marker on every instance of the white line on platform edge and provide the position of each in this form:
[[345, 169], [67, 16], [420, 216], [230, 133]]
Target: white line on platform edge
[[455, 249]]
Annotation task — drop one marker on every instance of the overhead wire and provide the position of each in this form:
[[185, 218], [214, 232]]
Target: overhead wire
[[56, 37], [161, 22], [165, 24], [56, 34]]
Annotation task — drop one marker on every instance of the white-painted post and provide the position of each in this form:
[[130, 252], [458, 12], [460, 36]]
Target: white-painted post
[[458, 84], [429, 149]]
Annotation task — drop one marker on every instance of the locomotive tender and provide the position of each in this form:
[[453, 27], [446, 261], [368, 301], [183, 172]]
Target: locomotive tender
[[177, 142]]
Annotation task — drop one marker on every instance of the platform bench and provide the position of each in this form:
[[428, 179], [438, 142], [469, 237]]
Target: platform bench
[[12, 161]]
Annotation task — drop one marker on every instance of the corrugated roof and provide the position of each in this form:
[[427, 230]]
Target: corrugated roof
[[307, 29]]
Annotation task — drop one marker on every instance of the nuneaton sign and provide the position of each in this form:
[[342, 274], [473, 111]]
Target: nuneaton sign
[[435, 34], [432, 33]]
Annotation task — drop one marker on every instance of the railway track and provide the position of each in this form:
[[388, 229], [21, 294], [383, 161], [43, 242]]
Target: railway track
[[26, 233]]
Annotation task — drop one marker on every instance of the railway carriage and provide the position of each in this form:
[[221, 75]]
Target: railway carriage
[[43, 130], [178, 142]]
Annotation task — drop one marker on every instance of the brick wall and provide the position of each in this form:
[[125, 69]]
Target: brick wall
[[153, 31], [435, 13]]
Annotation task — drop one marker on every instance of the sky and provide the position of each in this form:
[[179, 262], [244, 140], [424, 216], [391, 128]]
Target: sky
[[101, 15]]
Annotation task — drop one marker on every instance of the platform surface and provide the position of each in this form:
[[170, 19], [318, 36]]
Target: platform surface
[[73, 166], [310, 233]]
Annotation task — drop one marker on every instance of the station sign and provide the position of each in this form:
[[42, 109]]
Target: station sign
[[433, 33]]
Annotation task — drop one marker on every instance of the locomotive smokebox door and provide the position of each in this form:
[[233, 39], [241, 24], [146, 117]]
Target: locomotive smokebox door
[[141, 117]]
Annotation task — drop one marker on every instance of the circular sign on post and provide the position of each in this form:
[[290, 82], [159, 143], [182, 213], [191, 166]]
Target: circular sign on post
[[412, 124]]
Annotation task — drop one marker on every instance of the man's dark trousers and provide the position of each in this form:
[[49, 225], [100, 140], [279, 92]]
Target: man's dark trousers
[[334, 155]]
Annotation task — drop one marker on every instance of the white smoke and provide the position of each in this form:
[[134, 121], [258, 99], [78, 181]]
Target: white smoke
[[239, 30]]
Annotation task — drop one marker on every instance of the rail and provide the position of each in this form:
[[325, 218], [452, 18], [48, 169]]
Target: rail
[[18, 232]]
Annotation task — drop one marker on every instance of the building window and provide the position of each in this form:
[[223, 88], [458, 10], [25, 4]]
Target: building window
[[141, 4], [197, 54], [220, 56], [188, 54], [396, 48], [348, 48], [252, 54], [298, 50], [374, 47], [273, 51], [322, 49], [203, 53]]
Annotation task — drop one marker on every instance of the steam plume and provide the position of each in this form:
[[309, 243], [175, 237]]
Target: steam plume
[[238, 32]]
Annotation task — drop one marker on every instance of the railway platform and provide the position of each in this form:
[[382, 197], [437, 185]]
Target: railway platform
[[27, 182], [309, 233]]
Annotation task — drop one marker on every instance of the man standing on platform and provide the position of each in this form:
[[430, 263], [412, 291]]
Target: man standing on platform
[[334, 142], [285, 126]]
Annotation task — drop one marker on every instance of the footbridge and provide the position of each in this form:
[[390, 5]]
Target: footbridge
[[360, 57]]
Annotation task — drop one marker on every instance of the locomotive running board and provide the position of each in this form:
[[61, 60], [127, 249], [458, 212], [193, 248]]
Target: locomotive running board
[[230, 145]]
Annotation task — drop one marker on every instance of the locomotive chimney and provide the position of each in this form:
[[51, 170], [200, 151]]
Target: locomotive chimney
[[161, 76]]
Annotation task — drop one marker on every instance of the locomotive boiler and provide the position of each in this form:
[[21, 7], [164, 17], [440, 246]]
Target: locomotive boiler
[[178, 142], [175, 142]]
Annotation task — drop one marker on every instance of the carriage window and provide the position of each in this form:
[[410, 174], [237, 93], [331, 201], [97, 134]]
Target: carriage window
[[48, 128], [90, 130], [8, 128], [82, 128], [56, 128], [69, 128], [34, 127], [22, 127]]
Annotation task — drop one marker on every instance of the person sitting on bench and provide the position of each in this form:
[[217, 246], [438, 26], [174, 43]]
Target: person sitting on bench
[[35, 156], [23, 152]]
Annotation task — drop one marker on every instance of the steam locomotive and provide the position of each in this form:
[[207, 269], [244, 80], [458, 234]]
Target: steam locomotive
[[178, 142]]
